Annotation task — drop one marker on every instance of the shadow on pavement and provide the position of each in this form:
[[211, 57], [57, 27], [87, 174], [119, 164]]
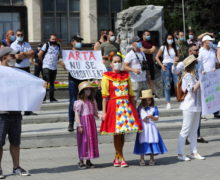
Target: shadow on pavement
[[69, 168], [61, 169]]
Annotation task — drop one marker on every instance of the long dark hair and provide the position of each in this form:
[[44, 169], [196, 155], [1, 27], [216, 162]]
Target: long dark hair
[[173, 45], [82, 95], [143, 103]]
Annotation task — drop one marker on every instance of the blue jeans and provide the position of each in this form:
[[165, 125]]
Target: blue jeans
[[168, 77], [73, 93]]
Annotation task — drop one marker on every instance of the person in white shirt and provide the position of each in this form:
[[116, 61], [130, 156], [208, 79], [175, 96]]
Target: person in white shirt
[[22, 58], [169, 53], [191, 107], [49, 54], [135, 63], [207, 55], [208, 59], [24, 49], [178, 68]]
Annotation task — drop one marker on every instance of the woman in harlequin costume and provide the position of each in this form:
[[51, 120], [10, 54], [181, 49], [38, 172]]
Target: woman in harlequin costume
[[119, 113]]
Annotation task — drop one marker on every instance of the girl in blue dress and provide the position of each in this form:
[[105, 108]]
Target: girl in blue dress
[[148, 142]]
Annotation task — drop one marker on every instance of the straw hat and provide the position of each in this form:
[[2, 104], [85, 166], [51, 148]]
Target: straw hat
[[146, 94], [189, 60], [84, 85]]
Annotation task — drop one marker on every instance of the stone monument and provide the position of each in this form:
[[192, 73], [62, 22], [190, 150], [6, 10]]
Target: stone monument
[[138, 18]]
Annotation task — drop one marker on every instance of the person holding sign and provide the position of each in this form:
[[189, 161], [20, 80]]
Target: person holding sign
[[191, 107], [208, 58], [73, 83], [10, 123], [148, 142], [119, 114]]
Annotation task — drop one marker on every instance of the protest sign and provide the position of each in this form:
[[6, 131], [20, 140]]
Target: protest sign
[[20, 91], [210, 92], [84, 64]]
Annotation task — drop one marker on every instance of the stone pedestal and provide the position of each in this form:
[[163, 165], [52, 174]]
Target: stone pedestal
[[88, 20], [34, 14]]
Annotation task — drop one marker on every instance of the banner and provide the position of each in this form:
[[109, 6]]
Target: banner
[[84, 64], [19, 90], [210, 91]]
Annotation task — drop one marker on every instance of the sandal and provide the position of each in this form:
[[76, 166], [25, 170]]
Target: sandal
[[81, 165], [142, 163], [89, 164], [151, 163]]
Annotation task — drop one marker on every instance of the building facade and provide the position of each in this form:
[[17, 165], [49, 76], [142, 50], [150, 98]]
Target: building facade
[[66, 18]]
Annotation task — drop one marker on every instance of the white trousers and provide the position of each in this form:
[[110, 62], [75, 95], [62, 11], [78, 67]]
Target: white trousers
[[189, 128]]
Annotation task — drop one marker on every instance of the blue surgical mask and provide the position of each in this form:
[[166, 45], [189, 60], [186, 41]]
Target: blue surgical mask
[[147, 38], [182, 39], [170, 41], [139, 45], [78, 45], [211, 45], [13, 38], [191, 36], [19, 39]]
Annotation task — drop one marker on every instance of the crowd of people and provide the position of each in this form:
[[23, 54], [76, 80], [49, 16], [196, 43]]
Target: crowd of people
[[128, 91]]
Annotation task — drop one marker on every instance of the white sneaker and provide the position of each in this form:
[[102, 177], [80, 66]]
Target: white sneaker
[[183, 158], [168, 106], [197, 156]]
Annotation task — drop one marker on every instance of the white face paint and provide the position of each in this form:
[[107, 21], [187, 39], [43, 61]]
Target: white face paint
[[117, 66], [87, 92]]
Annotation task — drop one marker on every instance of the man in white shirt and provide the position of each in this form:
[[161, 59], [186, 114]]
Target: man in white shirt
[[22, 57], [24, 49], [208, 59], [49, 54], [207, 55], [134, 63]]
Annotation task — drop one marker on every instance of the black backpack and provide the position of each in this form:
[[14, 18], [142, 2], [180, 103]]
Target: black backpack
[[47, 47]]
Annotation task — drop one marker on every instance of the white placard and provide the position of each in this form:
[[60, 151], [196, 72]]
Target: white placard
[[210, 92], [84, 64], [19, 90]]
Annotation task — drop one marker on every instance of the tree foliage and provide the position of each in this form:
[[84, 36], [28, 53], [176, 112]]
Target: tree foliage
[[200, 15]]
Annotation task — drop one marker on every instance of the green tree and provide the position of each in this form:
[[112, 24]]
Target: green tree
[[200, 15]]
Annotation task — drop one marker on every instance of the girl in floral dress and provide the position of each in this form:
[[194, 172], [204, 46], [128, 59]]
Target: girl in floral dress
[[85, 112], [119, 113]]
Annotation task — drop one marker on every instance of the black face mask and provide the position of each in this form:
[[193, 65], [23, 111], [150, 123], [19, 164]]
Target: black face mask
[[196, 55], [53, 43]]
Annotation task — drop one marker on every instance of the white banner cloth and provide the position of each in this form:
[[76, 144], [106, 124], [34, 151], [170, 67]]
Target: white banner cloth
[[19, 90]]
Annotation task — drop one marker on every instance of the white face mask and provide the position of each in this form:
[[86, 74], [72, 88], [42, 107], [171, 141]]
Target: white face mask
[[11, 62], [112, 38], [170, 41], [88, 92], [117, 66]]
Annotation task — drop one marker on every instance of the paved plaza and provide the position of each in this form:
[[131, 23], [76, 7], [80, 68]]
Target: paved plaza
[[61, 163]]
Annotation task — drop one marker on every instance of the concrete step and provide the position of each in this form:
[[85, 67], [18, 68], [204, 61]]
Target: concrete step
[[63, 103], [56, 134]]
